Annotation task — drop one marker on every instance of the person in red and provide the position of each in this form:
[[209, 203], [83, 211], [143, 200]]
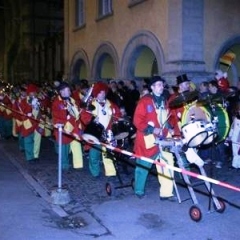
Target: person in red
[[80, 89], [176, 116], [66, 112], [6, 113], [183, 84], [30, 110], [103, 113], [151, 121], [17, 116], [45, 127]]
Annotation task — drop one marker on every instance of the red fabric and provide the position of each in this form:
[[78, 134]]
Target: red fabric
[[76, 95], [8, 104], [27, 108], [145, 113], [174, 118], [16, 110], [17, 114], [98, 87], [32, 88], [59, 116], [86, 117], [223, 84], [45, 105]]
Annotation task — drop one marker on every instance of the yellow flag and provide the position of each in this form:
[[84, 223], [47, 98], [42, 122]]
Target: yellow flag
[[228, 58]]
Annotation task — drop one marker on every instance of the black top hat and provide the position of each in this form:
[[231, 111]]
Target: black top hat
[[182, 78], [155, 79]]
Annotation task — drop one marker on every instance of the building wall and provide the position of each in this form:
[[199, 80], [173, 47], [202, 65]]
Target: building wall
[[221, 24], [191, 34], [118, 29]]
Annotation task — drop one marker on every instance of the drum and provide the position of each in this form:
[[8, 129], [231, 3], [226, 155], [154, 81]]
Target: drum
[[219, 114], [195, 133], [120, 129], [93, 132], [132, 130], [212, 133], [194, 123]]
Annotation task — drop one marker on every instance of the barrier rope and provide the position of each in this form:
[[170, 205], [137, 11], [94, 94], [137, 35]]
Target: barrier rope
[[130, 154], [176, 169]]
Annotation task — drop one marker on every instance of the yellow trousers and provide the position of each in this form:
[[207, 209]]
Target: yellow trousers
[[77, 155], [108, 164], [165, 175], [37, 144]]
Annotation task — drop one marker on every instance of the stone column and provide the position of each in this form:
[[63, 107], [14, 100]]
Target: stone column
[[185, 52]]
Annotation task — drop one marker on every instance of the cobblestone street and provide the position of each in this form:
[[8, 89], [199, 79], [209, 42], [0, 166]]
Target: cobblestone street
[[93, 213]]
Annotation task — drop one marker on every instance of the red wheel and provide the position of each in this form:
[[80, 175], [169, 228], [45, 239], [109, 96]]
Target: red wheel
[[109, 189], [222, 206], [195, 213]]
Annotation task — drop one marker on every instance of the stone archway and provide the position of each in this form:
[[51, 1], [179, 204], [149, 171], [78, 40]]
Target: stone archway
[[105, 62], [79, 67], [142, 45]]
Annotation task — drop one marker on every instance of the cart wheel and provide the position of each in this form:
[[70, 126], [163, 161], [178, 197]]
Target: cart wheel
[[195, 213], [222, 206], [109, 188], [133, 183]]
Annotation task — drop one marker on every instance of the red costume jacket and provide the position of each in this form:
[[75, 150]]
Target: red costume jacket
[[17, 114], [86, 116], [175, 116], [30, 123], [145, 115], [76, 95], [60, 115], [6, 111]]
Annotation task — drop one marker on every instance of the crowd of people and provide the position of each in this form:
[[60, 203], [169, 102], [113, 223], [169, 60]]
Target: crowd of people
[[206, 118]]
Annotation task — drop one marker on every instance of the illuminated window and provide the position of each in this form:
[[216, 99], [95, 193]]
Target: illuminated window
[[80, 13]]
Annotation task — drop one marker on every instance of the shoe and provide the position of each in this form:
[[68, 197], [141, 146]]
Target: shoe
[[170, 199], [140, 196], [218, 165]]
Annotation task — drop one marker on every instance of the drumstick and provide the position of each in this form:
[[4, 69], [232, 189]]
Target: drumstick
[[166, 120]]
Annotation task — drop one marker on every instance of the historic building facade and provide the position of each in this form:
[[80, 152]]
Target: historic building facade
[[135, 39]]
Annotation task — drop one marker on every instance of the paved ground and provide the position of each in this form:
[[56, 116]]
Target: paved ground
[[91, 213]]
